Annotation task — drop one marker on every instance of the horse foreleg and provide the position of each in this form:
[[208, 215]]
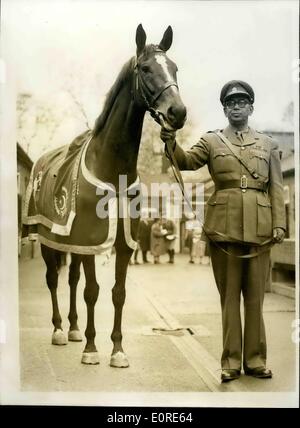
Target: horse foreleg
[[49, 256], [74, 275], [91, 291], [118, 357]]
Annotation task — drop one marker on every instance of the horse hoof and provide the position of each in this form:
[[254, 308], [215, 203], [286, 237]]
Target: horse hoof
[[90, 358], [119, 360], [59, 338], [74, 336]]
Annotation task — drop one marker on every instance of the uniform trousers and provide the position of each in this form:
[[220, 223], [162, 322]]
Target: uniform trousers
[[235, 277]]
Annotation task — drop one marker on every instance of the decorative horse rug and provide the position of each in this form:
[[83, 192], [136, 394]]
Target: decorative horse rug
[[70, 209]]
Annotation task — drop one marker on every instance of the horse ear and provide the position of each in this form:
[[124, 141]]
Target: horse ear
[[167, 39], [140, 39]]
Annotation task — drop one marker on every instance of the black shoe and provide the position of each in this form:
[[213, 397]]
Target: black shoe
[[230, 374], [260, 372]]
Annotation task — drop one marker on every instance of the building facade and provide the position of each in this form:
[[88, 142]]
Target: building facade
[[26, 249]]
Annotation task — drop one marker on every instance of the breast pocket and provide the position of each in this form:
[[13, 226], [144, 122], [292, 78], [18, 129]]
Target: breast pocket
[[260, 160], [264, 215], [216, 215], [223, 160]]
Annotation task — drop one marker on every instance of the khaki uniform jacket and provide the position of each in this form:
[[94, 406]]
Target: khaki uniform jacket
[[247, 215]]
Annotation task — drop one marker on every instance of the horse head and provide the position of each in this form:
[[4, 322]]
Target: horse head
[[156, 82]]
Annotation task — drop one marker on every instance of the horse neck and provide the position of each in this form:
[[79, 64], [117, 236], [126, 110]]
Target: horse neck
[[114, 151]]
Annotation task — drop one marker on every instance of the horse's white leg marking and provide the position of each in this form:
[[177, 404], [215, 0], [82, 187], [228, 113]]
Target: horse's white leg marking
[[74, 336], [90, 358], [59, 338], [119, 360]]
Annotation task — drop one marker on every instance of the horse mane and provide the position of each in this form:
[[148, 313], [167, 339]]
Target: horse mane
[[115, 89], [112, 95]]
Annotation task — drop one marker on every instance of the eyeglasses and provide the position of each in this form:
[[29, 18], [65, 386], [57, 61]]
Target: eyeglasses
[[232, 103]]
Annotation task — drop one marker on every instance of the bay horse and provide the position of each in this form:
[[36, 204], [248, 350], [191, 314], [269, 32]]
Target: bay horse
[[147, 82]]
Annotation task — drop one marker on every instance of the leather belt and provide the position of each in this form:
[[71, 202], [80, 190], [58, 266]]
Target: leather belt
[[243, 183]]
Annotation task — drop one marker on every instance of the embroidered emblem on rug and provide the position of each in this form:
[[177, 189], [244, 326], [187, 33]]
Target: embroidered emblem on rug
[[61, 202]]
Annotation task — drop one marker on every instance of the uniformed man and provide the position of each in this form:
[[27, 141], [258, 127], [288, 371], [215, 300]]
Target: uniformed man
[[244, 214]]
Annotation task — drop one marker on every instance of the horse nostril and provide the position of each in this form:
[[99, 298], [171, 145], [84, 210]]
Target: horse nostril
[[171, 114], [176, 114]]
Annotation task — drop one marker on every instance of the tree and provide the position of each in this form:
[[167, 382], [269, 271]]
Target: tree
[[151, 156], [81, 95], [37, 123]]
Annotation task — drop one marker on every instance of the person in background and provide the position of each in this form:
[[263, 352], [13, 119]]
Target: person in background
[[158, 245], [198, 245], [170, 238], [188, 237], [144, 237]]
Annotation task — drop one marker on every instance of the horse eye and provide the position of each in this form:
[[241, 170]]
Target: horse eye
[[145, 68]]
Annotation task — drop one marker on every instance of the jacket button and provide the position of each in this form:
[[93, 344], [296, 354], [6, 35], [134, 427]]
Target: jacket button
[[243, 190], [243, 148]]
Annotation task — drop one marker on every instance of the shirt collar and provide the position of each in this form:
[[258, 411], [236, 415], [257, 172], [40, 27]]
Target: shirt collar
[[234, 136]]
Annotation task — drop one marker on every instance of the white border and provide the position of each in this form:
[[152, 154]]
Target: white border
[[9, 362]]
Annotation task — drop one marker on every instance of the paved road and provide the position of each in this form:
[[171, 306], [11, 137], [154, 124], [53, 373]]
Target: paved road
[[172, 334]]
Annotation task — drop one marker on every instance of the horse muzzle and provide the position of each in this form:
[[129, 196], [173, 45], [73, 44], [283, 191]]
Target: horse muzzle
[[176, 115], [172, 111], [172, 120]]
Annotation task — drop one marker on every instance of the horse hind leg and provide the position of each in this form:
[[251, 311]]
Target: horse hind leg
[[91, 291], [50, 257], [74, 334], [118, 357]]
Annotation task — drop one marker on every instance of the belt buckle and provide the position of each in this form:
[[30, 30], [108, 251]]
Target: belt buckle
[[244, 182]]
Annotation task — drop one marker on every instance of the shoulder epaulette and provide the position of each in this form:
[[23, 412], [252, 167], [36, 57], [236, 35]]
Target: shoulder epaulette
[[215, 130], [261, 132]]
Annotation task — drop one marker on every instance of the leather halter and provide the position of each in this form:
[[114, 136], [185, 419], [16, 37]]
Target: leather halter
[[146, 94]]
